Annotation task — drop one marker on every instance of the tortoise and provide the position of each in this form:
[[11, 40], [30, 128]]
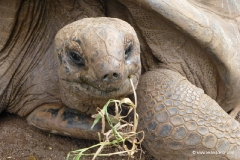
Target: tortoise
[[190, 67]]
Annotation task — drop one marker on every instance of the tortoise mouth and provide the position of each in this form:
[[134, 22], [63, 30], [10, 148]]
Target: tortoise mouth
[[100, 86], [97, 91]]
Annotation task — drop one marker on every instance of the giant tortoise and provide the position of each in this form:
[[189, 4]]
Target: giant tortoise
[[190, 62]]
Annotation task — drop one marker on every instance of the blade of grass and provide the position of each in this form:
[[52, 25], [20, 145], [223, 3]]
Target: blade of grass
[[121, 130]]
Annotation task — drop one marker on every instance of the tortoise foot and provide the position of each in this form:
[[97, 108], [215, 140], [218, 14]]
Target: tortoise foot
[[181, 122], [58, 119]]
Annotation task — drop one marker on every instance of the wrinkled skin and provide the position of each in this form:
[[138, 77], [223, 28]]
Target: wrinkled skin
[[190, 61]]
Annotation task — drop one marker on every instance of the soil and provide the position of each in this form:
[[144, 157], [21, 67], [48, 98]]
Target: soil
[[20, 141]]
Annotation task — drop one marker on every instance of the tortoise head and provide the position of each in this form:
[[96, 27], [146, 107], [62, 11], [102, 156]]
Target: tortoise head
[[96, 57]]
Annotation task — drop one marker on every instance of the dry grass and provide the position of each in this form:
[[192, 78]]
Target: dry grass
[[120, 132]]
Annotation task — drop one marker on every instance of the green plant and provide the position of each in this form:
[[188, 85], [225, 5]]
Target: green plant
[[120, 131]]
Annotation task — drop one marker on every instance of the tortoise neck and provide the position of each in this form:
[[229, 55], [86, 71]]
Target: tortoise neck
[[29, 74], [39, 85]]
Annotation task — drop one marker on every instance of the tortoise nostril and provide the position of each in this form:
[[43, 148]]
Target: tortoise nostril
[[110, 76], [105, 77], [115, 75]]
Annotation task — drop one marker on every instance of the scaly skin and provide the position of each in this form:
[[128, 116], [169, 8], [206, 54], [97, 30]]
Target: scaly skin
[[96, 56], [177, 117], [180, 121], [59, 119], [95, 60]]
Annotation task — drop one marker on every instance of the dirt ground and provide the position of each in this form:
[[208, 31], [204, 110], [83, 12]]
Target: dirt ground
[[19, 141]]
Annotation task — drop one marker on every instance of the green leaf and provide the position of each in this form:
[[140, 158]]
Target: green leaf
[[78, 156], [67, 156], [96, 120], [104, 111], [116, 125]]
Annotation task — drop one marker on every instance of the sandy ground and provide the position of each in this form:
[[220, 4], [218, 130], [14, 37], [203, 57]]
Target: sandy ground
[[19, 141]]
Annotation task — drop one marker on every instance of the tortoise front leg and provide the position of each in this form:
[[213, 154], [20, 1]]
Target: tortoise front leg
[[58, 119], [181, 122]]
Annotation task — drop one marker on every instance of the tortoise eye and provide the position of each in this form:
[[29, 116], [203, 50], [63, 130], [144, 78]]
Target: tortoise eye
[[75, 57], [128, 51]]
